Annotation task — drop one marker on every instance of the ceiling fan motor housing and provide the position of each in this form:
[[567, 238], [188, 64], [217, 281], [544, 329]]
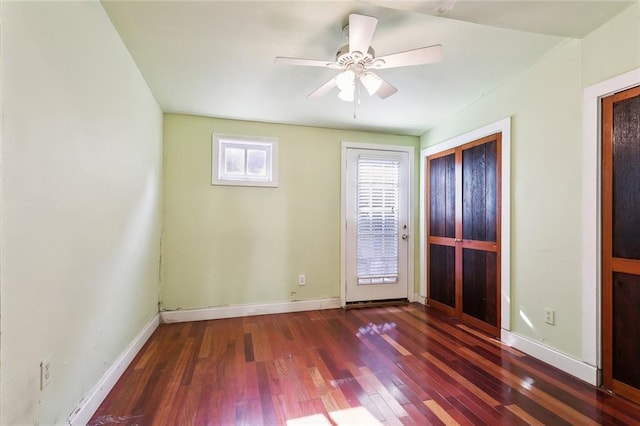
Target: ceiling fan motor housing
[[345, 58]]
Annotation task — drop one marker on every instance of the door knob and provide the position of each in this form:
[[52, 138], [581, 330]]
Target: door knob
[[405, 236]]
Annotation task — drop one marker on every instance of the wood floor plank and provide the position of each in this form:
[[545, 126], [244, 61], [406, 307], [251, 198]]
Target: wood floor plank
[[184, 409], [523, 415], [289, 405], [395, 345], [441, 413], [397, 365], [418, 418], [312, 406], [172, 386], [387, 413], [461, 380], [491, 340], [264, 390], [381, 390], [573, 393], [249, 413], [562, 410], [251, 389]]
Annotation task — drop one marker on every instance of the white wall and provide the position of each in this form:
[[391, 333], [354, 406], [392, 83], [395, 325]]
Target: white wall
[[81, 196]]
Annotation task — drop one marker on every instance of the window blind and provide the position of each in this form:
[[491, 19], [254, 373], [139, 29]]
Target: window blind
[[377, 219]]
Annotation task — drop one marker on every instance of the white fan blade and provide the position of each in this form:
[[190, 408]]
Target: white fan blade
[[325, 88], [421, 56], [446, 6], [361, 29], [304, 62], [385, 90]]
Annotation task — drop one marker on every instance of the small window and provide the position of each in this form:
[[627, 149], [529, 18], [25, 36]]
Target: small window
[[244, 161]]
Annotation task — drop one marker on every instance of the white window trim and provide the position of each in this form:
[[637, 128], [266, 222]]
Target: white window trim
[[272, 143]]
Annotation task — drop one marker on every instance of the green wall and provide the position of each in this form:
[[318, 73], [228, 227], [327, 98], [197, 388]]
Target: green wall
[[612, 49], [545, 103], [81, 209], [226, 245]]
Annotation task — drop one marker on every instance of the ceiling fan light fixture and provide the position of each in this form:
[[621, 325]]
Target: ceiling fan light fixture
[[347, 94], [371, 82], [346, 80]]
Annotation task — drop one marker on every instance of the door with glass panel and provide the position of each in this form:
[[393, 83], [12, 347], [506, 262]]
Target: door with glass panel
[[463, 232], [377, 228]]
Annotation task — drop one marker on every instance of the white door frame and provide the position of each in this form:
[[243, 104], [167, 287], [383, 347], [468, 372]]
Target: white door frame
[[591, 204], [503, 126], [411, 215]]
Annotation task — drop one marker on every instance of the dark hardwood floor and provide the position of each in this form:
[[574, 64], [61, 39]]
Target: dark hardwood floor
[[393, 365]]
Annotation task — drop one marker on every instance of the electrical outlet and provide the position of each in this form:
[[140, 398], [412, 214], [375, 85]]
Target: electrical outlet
[[45, 372], [302, 280], [549, 316]]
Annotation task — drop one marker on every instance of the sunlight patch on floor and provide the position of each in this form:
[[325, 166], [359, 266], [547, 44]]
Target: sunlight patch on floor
[[345, 417], [353, 416], [314, 420]]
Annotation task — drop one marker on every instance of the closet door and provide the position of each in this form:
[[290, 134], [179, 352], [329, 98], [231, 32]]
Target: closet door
[[441, 231], [621, 243], [480, 234], [463, 232]]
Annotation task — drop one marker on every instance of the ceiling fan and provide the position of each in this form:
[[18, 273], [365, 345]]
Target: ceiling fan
[[357, 60]]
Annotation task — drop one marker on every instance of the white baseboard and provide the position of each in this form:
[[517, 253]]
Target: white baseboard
[[570, 365], [420, 299], [234, 311], [88, 405]]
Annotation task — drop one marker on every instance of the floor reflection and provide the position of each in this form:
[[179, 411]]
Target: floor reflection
[[372, 328]]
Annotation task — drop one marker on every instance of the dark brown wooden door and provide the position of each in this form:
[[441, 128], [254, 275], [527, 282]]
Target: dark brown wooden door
[[463, 232], [621, 243], [441, 231]]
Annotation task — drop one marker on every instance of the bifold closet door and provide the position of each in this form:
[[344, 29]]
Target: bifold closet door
[[621, 243], [441, 241], [463, 232], [480, 234]]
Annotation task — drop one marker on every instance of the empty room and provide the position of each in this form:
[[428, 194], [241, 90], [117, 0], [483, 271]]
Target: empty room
[[319, 212]]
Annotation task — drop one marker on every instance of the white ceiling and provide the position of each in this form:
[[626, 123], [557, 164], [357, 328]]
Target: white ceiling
[[215, 58]]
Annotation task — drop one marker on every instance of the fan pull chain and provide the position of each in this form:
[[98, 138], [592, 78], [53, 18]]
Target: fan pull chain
[[356, 101], [355, 104]]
